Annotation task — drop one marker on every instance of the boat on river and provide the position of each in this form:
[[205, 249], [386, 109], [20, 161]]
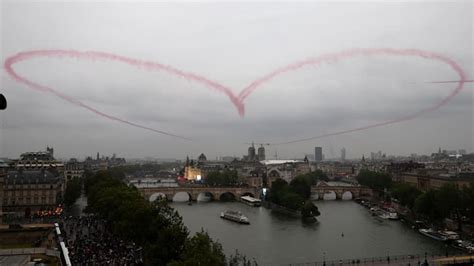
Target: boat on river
[[251, 201], [384, 215], [450, 235], [433, 234], [393, 216], [235, 216]]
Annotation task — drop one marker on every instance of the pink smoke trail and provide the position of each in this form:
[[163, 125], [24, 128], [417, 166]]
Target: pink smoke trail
[[91, 55], [237, 101], [333, 57], [450, 81]]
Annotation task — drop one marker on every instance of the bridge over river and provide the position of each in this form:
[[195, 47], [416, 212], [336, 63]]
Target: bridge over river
[[193, 192], [323, 191], [339, 190]]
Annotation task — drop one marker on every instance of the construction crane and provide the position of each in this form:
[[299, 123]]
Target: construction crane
[[261, 144]]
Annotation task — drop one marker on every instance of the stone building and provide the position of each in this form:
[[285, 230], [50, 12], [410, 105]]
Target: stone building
[[28, 191], [73, 169]]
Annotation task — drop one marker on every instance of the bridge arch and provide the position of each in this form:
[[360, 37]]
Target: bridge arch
[[329, 195], [347, 195], [227, 196], [182, 196], [156, 196], [205, 196], [274, 173]]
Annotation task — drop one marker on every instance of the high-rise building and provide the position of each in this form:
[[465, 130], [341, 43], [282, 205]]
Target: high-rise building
[[318, 154], [251, 153], [261, 153], [343, 154]]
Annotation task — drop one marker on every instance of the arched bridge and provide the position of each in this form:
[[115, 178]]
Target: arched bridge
[[215, 193], [324, 191]]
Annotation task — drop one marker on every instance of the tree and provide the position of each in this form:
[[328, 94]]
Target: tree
[[302, 186], [240, 260], [156, 227], [201, 250], [222, 179], [406, 194], [468, 200], [73, 191], [309, 210], [426, 204], [374, 180]]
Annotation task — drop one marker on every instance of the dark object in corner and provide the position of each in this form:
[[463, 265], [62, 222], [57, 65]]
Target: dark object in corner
[[3, 102]]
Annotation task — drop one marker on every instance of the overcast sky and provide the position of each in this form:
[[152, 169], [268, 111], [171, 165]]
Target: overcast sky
[[235, 44]]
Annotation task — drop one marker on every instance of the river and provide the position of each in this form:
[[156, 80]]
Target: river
[[346, 230]]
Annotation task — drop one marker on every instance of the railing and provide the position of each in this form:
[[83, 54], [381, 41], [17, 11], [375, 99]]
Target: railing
[[414, 259], [29, 251]]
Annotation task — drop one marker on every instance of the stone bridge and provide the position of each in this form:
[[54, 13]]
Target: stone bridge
[[341, 192], [215, 193]]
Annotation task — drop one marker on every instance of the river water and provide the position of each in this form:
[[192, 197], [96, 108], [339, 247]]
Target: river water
[[346, 230]]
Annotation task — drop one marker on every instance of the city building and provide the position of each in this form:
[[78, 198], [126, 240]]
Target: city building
[[251, 153], [103, 163], [3, 172], [38, 160], [337, 169], [285, 169], [73, 169], [28, 191], [192, 171], [261, 153], [318, 154], [343, 154]]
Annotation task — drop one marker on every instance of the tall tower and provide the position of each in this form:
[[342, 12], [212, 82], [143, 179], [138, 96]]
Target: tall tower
[[261, 153], [343, 154], [97, 156], [251, 153], [318, 154], [50, 151]]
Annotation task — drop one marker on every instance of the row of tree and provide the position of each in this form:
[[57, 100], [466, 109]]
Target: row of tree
[[157, 227], [73, 191], [374, 180], [449, 201], [227, 178]]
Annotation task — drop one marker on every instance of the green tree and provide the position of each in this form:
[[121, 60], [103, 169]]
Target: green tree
[[201, 250], [302, 186], [309, 210], [468, 200], [226, 178], [425, 204], [406, 194], [374, 180], [73, 191], [238, 259], [157, 227]]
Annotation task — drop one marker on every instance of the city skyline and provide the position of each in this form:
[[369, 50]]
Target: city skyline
[[312, 101]]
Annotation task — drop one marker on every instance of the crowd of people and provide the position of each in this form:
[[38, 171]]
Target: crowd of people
[[90, 242]]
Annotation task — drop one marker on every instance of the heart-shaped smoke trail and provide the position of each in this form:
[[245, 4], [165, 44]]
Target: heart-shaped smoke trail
[[236, 100]]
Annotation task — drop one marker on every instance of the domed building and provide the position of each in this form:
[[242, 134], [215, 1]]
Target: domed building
[[202, 158]]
